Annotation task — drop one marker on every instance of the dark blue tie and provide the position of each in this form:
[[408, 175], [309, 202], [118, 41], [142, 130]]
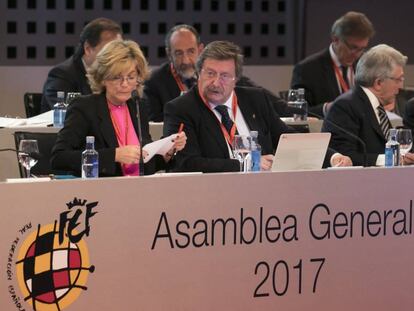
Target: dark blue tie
[[225, 117], [345, 75]]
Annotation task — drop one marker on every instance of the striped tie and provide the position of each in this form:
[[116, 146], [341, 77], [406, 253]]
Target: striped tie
[[384, 121]]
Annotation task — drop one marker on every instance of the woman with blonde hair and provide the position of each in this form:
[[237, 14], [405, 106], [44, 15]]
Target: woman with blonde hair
[[110, 115]]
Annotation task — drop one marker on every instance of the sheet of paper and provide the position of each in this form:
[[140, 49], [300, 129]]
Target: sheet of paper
[[161, 147], [43, 119], [8, 122], [27, 180], [393, 116]]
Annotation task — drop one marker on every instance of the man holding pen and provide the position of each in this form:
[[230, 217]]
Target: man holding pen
[[215, 110]]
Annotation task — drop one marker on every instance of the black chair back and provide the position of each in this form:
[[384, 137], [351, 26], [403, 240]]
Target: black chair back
[[32, 103], [401, 101], [45, 142]]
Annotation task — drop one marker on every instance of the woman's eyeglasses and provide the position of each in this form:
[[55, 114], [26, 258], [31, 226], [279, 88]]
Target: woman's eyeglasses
[[131, 80]]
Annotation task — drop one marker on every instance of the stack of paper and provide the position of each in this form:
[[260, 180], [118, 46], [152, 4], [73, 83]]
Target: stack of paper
[[43, 119]]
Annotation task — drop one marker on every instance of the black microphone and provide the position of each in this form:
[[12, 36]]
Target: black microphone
[[363, 144], [135, 97], [34, 155]]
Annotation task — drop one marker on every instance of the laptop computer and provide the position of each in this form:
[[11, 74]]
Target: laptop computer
[[300, 151]]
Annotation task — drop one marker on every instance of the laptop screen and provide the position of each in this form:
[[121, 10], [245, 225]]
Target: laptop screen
[[300, 151]]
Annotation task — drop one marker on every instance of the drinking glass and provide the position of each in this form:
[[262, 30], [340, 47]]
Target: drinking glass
[[71, 96], [28, 154], [241, 148], [405, 139]]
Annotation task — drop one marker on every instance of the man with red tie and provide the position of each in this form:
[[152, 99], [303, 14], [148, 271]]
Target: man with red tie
[[215, 109], [330, 72]]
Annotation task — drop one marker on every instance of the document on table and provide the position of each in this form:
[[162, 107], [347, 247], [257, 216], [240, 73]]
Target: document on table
[[161, 147], [43, 119]]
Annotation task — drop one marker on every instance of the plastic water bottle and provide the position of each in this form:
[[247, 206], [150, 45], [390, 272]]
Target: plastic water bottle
[[392, 150], [90, 159], [59, 110], [301, 104], [255, 152]]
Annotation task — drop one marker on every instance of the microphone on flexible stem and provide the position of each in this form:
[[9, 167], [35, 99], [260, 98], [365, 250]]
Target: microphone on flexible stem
[[135, 97], [361, 142]]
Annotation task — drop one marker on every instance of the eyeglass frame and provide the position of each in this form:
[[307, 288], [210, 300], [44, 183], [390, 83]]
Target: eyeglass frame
[[129, 79], [398, 80], [224, 77], [353, 49]]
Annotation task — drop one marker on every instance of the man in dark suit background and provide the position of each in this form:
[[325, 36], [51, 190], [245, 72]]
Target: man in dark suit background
[[175, 77], [178, 75], [379, 76], [70, 76], [330, 72], [215, 109]]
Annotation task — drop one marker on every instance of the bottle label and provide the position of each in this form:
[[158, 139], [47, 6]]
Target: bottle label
[[392, 155], [90, 164], [301, 109], [389, 157], [59, 117], [255, 158], [90, 170]]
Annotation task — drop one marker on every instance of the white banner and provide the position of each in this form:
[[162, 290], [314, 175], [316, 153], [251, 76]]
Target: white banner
[[323, 240]]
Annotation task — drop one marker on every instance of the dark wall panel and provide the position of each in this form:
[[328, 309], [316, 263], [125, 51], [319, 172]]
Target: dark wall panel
[[45, 32]]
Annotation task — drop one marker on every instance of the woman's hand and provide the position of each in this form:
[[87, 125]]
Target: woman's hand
[[127, 154]]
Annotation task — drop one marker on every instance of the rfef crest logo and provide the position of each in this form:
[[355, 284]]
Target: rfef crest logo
[[52, 264]]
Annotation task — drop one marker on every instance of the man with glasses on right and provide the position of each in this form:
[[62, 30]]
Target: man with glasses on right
[[360, 112], [330, 72]]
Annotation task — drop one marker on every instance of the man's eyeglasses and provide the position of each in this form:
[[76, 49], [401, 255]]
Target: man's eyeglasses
[[223, 77], [398, 80], [131, 80], [354, 49]]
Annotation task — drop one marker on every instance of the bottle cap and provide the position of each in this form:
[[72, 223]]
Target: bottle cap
[[61, 94], [393, 133], [254, 134], [90, 139]]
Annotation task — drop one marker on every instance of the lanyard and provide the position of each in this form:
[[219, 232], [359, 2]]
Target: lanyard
[[234, 105], [177, 79], [340, 78]]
